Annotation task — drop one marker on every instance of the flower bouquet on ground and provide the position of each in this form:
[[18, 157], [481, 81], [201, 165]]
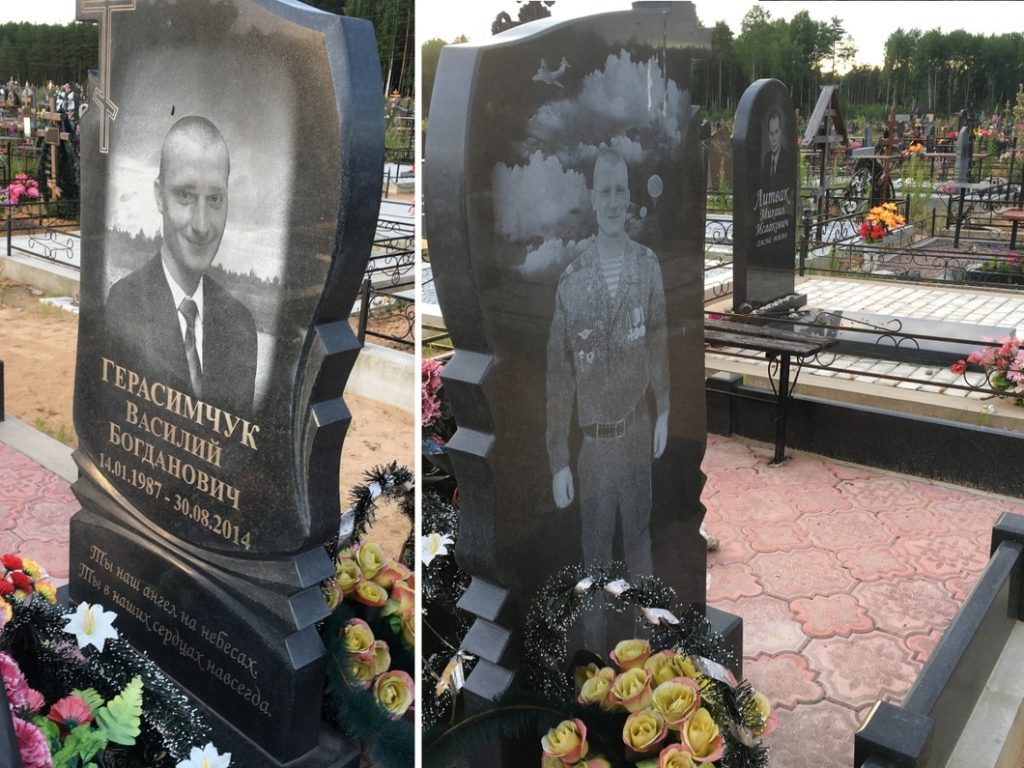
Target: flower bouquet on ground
[[663, 701], [438, 428], [880, 221], [1002, 364], [370, 634], [21, 190], [81, 696]]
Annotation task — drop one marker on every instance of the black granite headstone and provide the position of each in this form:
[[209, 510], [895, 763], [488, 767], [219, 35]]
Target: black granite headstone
[[232, 163], [580, 411], [766, 199]]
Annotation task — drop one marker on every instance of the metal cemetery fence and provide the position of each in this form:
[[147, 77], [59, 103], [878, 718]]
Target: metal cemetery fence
[[389, 281]]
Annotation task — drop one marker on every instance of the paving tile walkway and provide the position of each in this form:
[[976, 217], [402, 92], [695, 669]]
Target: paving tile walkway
[[845, 576]]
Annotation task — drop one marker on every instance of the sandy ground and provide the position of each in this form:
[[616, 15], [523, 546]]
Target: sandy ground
[[37, 347]]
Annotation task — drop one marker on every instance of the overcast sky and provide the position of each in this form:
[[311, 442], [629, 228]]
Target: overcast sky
[[870, 22]]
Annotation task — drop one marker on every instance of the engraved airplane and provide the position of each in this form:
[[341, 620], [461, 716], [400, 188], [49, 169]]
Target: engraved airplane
[[545, 75]]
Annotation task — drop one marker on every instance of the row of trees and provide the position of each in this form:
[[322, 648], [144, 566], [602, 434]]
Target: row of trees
[[933, 71], [394, 23], [39, 52], [948, 71], [64, 53]]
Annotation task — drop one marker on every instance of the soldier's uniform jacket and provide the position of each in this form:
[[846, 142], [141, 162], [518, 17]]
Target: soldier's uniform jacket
[[604, 352]]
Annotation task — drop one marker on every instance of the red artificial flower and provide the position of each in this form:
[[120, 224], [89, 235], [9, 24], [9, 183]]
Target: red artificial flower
[[11, 562], [21, 581], [70, 712], [6, 588], [959, 367]]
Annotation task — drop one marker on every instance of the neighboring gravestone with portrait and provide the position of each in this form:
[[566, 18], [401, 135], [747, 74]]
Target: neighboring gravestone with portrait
[[566, 221], [766, 198], [224, 248]]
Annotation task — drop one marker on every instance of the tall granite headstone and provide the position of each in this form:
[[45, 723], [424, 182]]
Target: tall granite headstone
[[579, 396], [232, 162], [766, 197]]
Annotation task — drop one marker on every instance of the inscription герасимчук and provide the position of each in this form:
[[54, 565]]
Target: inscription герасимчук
[[170, 467]]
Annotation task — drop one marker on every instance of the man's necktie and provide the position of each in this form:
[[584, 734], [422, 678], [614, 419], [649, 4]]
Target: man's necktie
[[189, 309]]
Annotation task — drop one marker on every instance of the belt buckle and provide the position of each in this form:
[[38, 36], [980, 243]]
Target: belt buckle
[[616, 429]]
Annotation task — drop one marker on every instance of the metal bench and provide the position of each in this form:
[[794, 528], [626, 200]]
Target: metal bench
[[776, 344]]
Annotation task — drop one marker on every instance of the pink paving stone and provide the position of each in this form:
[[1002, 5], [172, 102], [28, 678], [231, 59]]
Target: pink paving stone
[[960, 586], [852, 472], [731, 582], [907, 606], [973, 513], [946, 556], [738, 478], [725, 454], [776, 537], [732, 543], [786, 679], [915, 521], [835, 531], [829, 727], [800, 469], [923, 645], [47, 521], [768, 626], [755, 506], [828, 615], [883, 493], [875, 563], [861, 669], [802, 573], [817, 498], [50, 554]]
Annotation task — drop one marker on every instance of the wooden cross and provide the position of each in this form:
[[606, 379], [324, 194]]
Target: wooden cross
[[103, 11], [52, 137], [883, 193]]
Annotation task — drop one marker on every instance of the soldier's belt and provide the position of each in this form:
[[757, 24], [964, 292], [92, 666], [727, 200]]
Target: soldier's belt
[[613, 429]]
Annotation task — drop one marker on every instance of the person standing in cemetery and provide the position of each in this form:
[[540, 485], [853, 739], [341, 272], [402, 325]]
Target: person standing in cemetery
[[169, 319], [607, 348]]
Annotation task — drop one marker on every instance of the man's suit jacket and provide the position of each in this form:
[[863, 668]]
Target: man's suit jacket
[[766, 166], [144, 335]]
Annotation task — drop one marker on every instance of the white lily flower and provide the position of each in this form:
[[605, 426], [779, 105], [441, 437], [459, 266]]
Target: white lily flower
[[91, 625], [207, 757], [434, 545]]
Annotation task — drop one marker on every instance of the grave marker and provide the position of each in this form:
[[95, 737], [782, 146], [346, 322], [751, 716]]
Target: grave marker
[[518, 167], [766, 199], [210, 434]]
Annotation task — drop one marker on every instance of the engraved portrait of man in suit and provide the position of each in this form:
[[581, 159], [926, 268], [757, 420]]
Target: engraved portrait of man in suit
[[169, 319]]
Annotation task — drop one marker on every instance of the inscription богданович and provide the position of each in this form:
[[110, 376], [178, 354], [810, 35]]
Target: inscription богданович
[[153, 452]]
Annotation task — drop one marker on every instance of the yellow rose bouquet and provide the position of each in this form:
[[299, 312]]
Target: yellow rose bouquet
[[369, 635], [667, 700]]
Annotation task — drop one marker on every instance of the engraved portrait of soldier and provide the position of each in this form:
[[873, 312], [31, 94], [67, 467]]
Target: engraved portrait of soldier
[[607, 348]]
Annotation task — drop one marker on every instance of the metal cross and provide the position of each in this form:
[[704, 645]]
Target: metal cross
[[103, 11]]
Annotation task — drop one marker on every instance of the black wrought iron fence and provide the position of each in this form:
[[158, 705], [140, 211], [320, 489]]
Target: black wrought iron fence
[[389, 282], [887, 353]]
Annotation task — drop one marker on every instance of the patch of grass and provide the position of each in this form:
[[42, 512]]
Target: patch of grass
[[62, 434]]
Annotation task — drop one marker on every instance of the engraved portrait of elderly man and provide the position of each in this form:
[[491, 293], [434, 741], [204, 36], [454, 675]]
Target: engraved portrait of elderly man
[[607, 349], [169, 319]]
